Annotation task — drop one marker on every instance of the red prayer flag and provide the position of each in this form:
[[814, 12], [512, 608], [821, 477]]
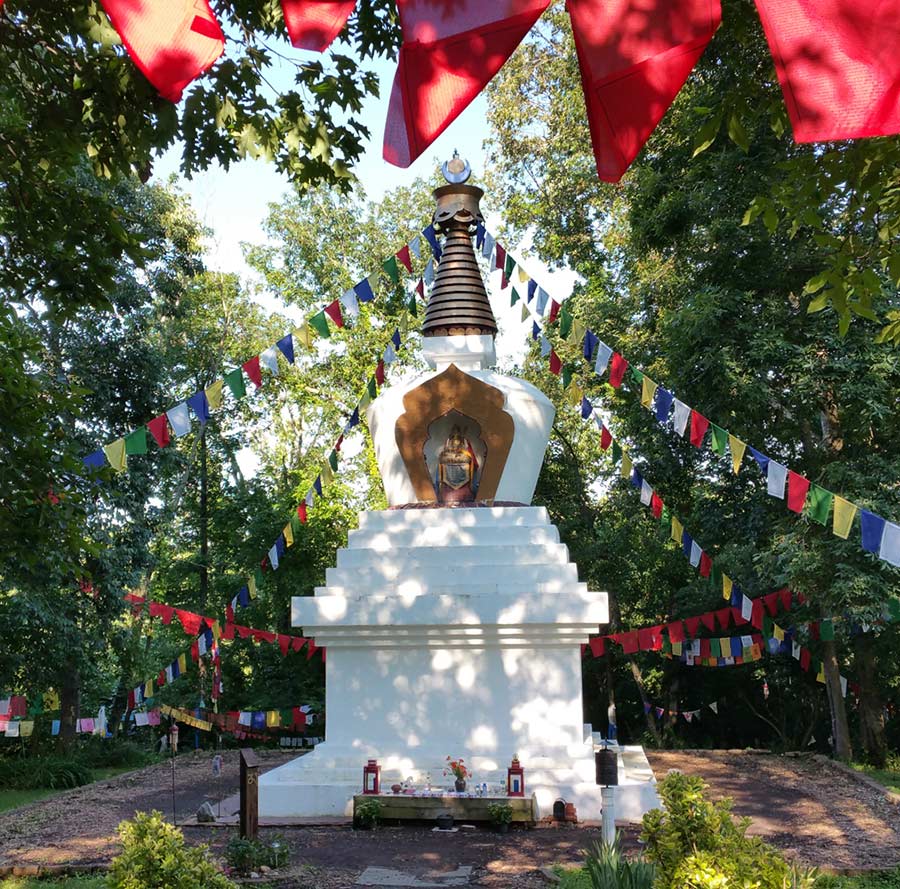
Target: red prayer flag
[[692, 624], [737, 617], [554, 311], [340, 441], [159, 429], [228, 632], [705, 564], [161, 679], [195, 651], [756, 615], [403, 255], [676, 631], [634, 57], [605, 438], [804, 659], [301, 512], [838, 65], [449, 54], [379, 373], [709, 620], [190, 621], [284, 643], [797, 488], [617, 369], [555, 363], [333, 311], [629, 642], [723, 615], [645, 639], [310, 648], [420, 289], [251, 368], [499, 256], [598, 646], [771, 603], [656, 505], [699, 425], [298, 642], [172, 42], [785, 596], [313, 24], [704, 648]]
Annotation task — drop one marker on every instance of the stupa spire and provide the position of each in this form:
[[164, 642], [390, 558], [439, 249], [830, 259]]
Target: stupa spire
[[458, 303]]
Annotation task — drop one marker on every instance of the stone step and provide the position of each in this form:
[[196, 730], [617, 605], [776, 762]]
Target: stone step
[[490, 515], [390, 574], [443, 587], [450, 534]]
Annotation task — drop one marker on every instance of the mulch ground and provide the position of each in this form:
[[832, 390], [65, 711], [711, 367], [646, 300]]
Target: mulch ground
[[813, 811]]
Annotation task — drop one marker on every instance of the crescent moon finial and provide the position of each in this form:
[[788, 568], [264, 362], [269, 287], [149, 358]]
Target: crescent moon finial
[[456, 170]]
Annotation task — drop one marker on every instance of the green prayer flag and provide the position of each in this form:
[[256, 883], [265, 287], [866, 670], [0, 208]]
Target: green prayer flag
[[565, 322], [715, 576], [235, 382], [333, 460], [259, 578], [815, 666], [666, 646], [616, 452], [413, 310], [508, 268], [319, 323], [287, 717], [893, 609], [818, 504], [665, 519], [636, 375], [566, 376], [136, 442], [719, 439], [715, 648], [826, 631], [296, 524], [515, 297], [768, 627], [390, 266], [372, 388]]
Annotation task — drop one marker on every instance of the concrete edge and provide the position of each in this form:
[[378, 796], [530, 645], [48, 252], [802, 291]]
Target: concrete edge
[[861, 777]]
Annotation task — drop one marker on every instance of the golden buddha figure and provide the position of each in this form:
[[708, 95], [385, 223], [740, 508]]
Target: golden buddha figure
[[457, 465]]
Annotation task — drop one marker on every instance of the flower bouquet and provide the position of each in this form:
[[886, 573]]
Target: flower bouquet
[[457, 767]]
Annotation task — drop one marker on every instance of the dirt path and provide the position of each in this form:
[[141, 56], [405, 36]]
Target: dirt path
[[805, 806]]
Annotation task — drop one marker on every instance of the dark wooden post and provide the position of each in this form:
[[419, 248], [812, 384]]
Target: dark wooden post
[[249, 794]]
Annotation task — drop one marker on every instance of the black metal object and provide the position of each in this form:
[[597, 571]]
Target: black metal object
[[606, 762], [559, 810], [249, 819]]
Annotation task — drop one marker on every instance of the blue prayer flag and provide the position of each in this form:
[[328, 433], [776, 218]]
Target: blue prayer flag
[[431, 237], [736, 596], [686, 543], [364, 293], [286, 344], [258, 720], [176, 670], [636, 479], [872, 530], [586, 408], [664, 399], [737, 647], [532, 289], [395, 338], [95, 460], [280, 545], [354, 418], [761, 459], [200, 406], [535, 333], [591, 341], [317, 484], [479, 235], [244, 596], [54, 727]]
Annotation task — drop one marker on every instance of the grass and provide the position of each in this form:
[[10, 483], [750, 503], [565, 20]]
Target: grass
[[890, 778], [79, 882], [573, 878], [880, 880], [12, 799]]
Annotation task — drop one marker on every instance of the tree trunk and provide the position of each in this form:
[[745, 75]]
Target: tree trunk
[[204, 524], [70, 705], [645, 702], [871, 708], [840, 731]]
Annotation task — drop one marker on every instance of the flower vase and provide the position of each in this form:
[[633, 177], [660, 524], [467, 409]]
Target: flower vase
[[460, 785]]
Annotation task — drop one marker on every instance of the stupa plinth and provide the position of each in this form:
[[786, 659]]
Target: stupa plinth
[[453, 619]]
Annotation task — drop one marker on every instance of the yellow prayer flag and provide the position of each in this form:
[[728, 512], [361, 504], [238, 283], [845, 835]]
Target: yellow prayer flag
[[820, 676], [676, 649], [844, 513], [523, 275], [305, 335], [365, 401], [727, 584], [525, 313], [251, 586], [648, 390], [625, 468], [327, 473], [115, 453], [148, 689], [677, 530], [778, 633], [216, 630], [273, 719], [288, 532], [576, 334], [737, 452], [51, 700], [214, 394], [574, 395], [26, 728], [182, 663]]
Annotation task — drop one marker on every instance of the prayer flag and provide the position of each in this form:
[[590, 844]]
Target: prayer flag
[[415, 245], [94, 460], [542, 298], [761, 460], [677, 530], [818, 504], [727, 586], [363, 291], [646, 492], [705, 564], [605, 438], [288, 533], [428, 232], [514, 297], [625, 467], [235, 382], [500, 256], [115, 454], [286, 347], [699, 425], [403, 255], [391, 269], [718, 439], [591, 341], [213, 394], [200, 406], [555, 363], [777, 476], [179, 419], [890, 544], [844, 513], [681, 416], [314, 26], [746, 608], [269, 360], [656, 505], [872, 530], [301, 513], [695, 554], [319, 323], [648, 391], [333, 310], [604, 353], [251, 368], [273, 557], [798, 485], [617, 370], [136, 442], [737, 452], [664, 400], [586, 408], [565, 322]]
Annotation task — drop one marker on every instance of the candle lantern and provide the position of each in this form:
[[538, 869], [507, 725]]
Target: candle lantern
[[173, 737], [515, 778], [371, 777]]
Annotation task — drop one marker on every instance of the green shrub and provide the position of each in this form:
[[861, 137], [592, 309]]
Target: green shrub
[[608, 868], [500, 813], [697, 844], [31, 773], [245, 855], [101, 753], [367, 813], [154, 856]]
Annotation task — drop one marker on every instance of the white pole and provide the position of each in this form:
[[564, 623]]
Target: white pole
[[608, 802]]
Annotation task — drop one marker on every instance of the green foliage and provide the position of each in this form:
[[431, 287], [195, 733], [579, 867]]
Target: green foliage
[[500, 813], [76, 882], [610, 868], [877, 880], [101, 753], [697, 844], [56, 772], [367, 813], [245, 855], [155, 856]]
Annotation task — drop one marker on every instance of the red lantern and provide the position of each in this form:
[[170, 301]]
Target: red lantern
[[371, 777], [515, 778]]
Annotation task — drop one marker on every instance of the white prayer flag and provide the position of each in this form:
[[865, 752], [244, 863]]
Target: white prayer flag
[[390, 356], [545, 346], [542, 299], [415, 246], [350, 303], [746, 608], [681, 416], [429, 273], [714, 706], [747, 641], [646, 494], [12, 730], [777, 476], [273, 557], [269, 360], [843, 686], [890, 544], [201, 644], [245, 718], [696, 552], [487, 249], [795, 650], [179, 419], [604, 353]]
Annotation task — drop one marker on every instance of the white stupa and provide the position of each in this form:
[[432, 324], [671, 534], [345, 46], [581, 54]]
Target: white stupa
[[454, 619]]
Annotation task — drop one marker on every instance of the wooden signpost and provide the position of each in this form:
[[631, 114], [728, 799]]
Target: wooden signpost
[[249, 794]]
